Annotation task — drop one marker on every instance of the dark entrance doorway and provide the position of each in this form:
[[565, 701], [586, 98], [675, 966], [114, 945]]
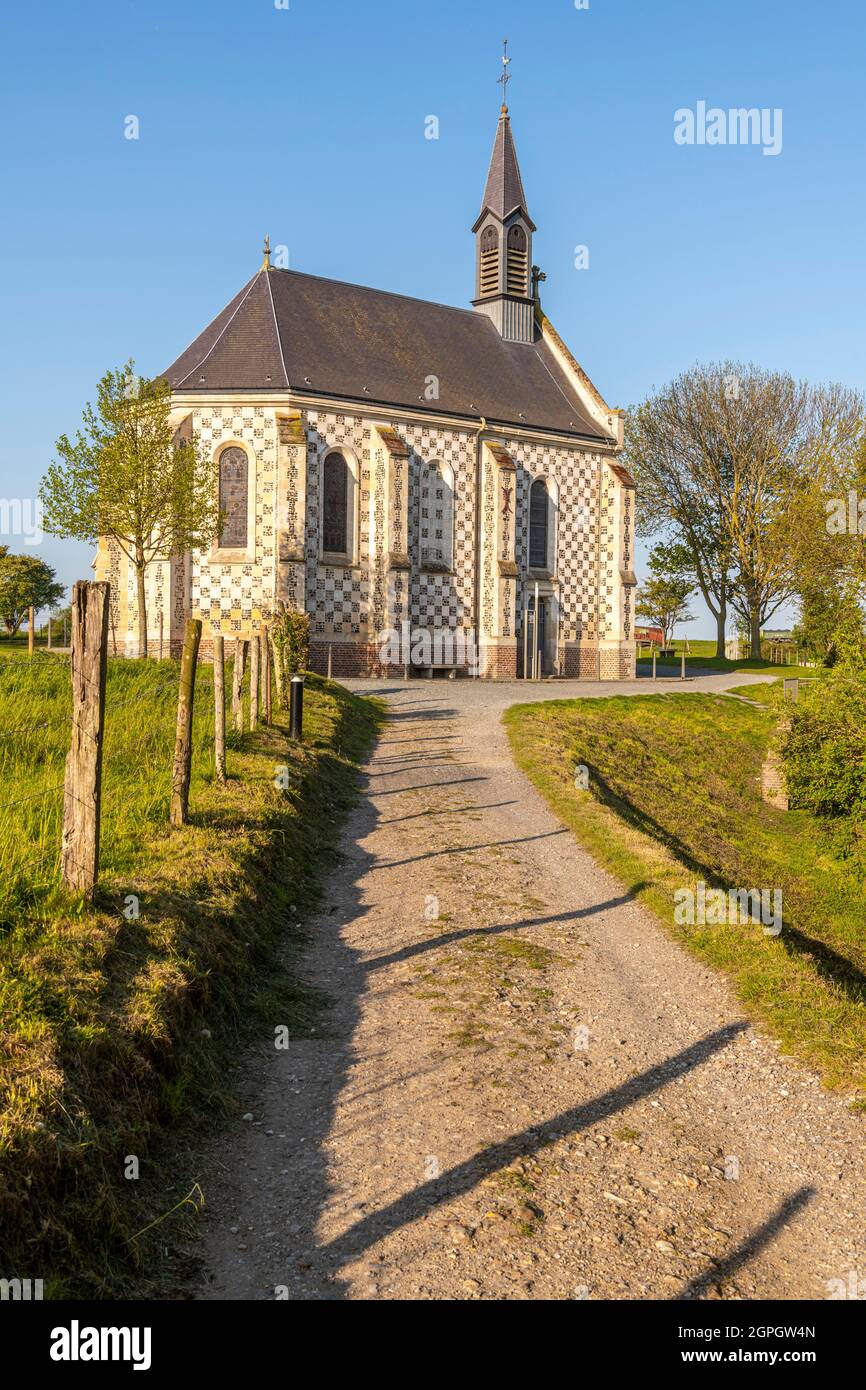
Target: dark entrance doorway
[[537, 637]]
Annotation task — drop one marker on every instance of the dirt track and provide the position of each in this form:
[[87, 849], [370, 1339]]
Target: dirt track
[[526, 1089]]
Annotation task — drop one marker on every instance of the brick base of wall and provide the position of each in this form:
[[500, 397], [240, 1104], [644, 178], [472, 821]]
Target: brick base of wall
[[628, 662], [577, 661], [503, 666], [129, 649], [349, 659], [617, 663]]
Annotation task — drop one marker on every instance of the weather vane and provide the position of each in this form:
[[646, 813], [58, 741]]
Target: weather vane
[[506, 75]]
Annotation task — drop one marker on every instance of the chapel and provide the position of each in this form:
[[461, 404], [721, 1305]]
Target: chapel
[[396, 467]]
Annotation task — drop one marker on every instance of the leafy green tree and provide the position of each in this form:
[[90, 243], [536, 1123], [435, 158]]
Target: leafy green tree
[[849, 642], [828, 529], [824, 605], [25, 582], [129, 478], [663, 597]]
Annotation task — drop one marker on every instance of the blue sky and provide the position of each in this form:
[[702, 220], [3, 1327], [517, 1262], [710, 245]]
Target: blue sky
[[308, 123]]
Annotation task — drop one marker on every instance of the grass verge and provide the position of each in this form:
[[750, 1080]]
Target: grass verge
[[121, 1022], [673, 800]]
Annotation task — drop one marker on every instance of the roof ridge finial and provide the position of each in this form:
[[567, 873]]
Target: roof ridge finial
[[266, 259], [506, 77]]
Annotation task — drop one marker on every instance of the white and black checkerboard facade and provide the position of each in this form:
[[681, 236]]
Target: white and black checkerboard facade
[[452, 579]]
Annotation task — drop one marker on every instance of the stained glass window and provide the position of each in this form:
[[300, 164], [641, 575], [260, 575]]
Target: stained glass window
[[538, 513], [335, 496], [234, 484]]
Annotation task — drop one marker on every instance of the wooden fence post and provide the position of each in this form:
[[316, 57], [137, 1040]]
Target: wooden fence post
[[219, 705], [79, 855], [30, 631], [266, 674], [237, 684], [255, 646], [183, 741], [278, 670]]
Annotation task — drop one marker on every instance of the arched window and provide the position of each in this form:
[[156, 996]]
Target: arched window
[[335, 505], [517, 264], [539, 508], [234, 494], [489, 261], [437, 515]]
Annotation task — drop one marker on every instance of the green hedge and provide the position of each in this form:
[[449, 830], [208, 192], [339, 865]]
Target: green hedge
[[823, 743]]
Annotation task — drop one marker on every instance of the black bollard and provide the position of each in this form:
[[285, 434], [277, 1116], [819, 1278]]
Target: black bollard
[[296, 708]]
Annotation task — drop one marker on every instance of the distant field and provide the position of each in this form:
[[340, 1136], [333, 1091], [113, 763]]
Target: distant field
[[714, 663]]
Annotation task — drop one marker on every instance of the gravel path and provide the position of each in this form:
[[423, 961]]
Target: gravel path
[[526, 1089]]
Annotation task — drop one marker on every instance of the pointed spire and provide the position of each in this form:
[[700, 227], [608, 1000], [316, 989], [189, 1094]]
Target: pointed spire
[[266, 257], [504, 191]]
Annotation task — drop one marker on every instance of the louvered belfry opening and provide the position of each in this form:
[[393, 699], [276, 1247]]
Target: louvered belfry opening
[[489, 261], [335, 497], [518, 261], [538, 514]]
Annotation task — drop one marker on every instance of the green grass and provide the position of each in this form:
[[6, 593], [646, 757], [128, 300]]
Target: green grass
[[674, 799], [114, 1029], [769, 693], [696, 646]]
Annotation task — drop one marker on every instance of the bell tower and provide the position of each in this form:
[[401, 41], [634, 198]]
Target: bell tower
[[503, 238]]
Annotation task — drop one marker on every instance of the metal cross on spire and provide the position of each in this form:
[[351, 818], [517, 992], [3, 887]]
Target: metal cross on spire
[[506, 76]]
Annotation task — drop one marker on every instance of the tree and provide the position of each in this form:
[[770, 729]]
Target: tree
[[25, 582], [128, 477], [682, 474], [722, 458], [828, 530], [824, 607], [663, 598]]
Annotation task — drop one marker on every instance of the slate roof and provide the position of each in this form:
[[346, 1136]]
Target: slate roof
[[503, 193], [286, 330]]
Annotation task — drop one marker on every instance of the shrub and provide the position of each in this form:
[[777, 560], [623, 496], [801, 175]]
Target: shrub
[[291, 638], [823, 743]]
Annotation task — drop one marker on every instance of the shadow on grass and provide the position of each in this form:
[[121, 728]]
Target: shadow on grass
[[836, 969]]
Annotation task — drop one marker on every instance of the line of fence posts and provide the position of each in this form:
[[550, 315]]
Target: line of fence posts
[[89, 637]]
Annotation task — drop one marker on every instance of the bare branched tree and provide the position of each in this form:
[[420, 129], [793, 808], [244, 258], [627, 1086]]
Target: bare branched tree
[[725, 457]]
